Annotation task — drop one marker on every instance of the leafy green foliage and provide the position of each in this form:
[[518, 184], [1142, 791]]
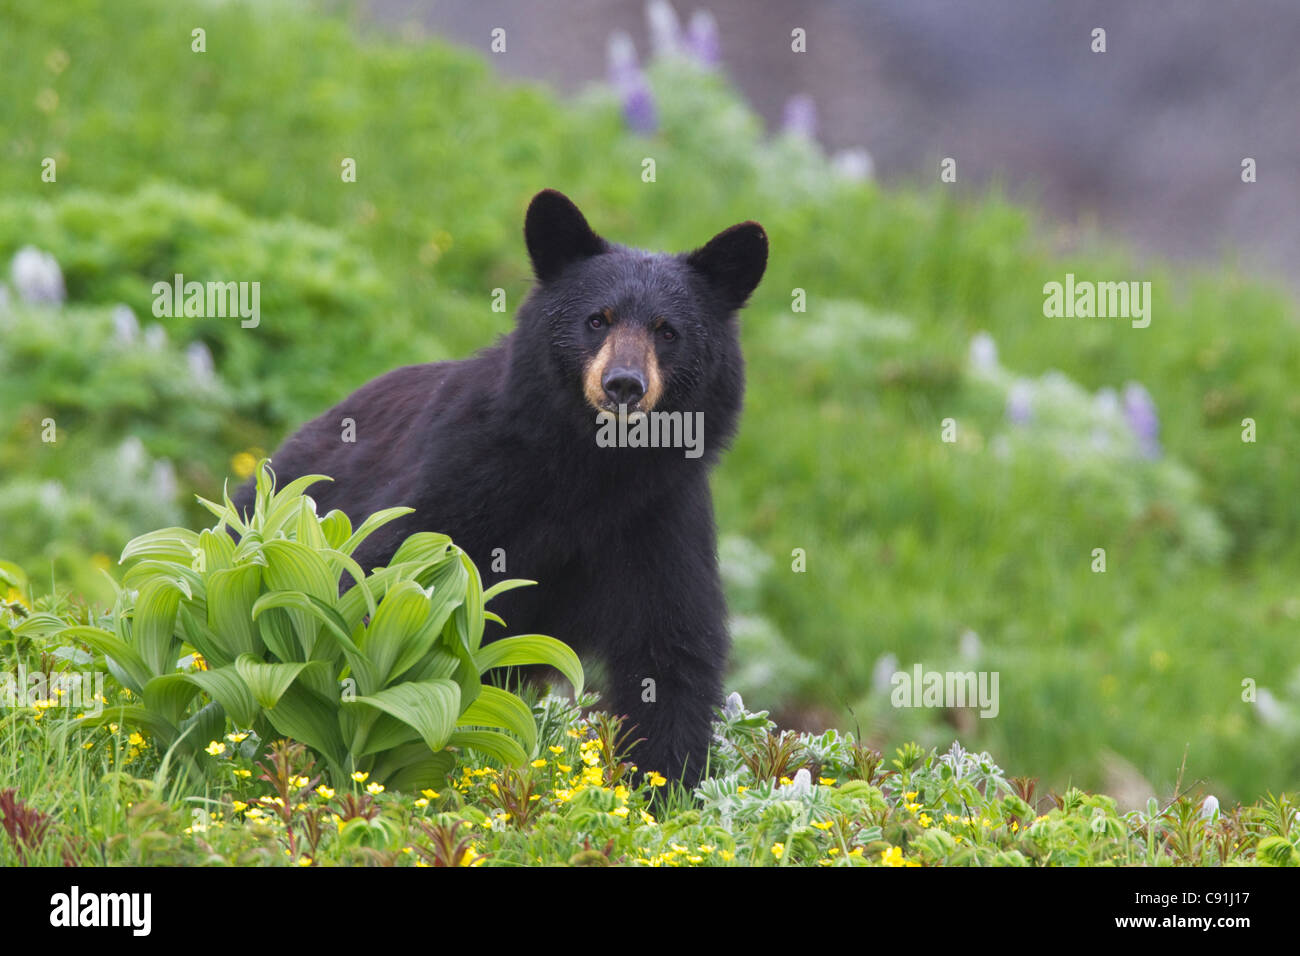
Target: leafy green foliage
[[386, 679], [910, 542]]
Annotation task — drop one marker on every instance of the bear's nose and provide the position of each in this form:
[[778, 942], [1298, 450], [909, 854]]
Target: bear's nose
[[624, 386]]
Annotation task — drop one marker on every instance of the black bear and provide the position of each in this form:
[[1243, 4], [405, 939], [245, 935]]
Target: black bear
[[579, 445]]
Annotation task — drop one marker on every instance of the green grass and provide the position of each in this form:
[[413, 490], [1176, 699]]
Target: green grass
[[228, 163], [92, 797]]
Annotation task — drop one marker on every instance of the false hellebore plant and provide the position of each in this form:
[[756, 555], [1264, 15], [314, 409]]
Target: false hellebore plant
[[385, 678]]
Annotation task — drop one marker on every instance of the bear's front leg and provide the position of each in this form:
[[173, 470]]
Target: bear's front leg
[[665, 643], [666, 687]]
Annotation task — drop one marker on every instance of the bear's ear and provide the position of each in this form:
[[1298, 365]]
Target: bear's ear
[[557, 233], [733, 261]]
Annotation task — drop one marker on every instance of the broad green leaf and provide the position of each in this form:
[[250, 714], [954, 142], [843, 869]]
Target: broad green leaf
[[40, 624], [340, 563], [337, 528], [304, 715], [412, 768], [402, 618], [267, 681], [218, 550], [169, 695], [231, 593], [276, 630], [155, 624], [167, 544], [293, 566], [495, 707], [377, 732], [228, 688], [203, 727], [355, 604], [334, 636], [203, 639], [424, 547], [431, 707], [185, 578], [490, 742], [127, 666], [437, 663], [530, 649], [307, 526], [442, 604]]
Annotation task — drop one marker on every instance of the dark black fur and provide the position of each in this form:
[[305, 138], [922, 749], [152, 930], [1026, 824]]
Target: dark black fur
[[499, 451]]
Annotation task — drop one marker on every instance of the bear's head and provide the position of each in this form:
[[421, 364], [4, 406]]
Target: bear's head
[[645, 331]]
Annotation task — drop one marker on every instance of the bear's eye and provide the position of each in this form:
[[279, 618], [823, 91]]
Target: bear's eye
[[667, 333], [597, 321]]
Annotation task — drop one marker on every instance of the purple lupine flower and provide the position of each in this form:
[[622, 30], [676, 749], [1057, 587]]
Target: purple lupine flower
[[665, 28], [639, 109], [1020, 403], [799, 118], [36, 277], [702, 39], [1140, 412], [630, 83]]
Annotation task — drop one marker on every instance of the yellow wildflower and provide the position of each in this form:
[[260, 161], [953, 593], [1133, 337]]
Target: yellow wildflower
[[243, 464]]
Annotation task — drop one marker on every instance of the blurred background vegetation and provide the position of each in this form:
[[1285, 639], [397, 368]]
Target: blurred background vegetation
[[922, 304]]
